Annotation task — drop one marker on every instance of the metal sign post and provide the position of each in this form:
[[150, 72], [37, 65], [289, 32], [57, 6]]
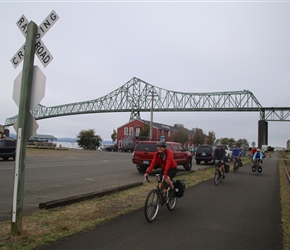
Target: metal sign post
[[27, 95], [23, 124]]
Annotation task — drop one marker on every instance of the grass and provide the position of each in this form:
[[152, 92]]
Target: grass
[[285, 199], [46, 226]]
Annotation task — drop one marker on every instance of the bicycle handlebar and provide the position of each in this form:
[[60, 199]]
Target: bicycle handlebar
[[147, 179]]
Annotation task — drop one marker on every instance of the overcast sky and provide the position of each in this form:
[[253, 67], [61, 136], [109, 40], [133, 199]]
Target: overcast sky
[[190, 46]]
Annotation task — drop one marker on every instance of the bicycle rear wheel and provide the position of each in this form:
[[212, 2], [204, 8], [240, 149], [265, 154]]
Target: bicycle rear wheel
[[152, 205], [256, 169], [172, 200], [236, 167]]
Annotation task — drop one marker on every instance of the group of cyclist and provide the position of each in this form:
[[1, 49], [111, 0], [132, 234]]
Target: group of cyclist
[[164, 158], [219, 156]]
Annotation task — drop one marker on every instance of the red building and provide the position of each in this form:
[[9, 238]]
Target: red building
[[129, 133], [3, 132]]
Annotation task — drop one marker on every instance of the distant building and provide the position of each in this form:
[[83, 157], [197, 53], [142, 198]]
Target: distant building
[[129, 133], [288, 145], [43, 138], [3, 132], [45, 141]]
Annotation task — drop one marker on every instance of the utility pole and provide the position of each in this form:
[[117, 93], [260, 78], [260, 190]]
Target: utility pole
[[153, 93]]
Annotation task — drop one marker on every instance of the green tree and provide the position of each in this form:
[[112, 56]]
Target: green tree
[[87, 139], [242, 143], [211, 137], [144, 131], [253, 144], [181, 135], [224, 141], [199, 137], [232, 142], [114, 135]]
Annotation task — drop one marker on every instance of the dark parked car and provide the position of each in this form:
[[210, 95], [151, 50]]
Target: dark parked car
[[111, 148], [7, 149], [128, 148], [204, 153]]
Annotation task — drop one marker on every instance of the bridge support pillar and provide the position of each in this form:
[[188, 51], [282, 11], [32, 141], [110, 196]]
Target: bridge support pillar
[[262, 133]]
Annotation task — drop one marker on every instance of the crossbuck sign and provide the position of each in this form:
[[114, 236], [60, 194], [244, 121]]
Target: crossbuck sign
[[40, 49]]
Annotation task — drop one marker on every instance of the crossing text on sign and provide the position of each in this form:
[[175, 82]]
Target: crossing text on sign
[[40, 49]]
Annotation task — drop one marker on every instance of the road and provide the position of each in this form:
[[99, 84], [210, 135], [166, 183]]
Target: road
[[51, 175], [243, 212]]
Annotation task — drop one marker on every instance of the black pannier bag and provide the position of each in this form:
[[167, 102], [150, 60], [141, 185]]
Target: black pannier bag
[[227, 167], [179, 186]]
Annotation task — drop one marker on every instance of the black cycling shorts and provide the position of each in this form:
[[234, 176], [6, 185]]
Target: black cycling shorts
[[171, 173], [257, 160]]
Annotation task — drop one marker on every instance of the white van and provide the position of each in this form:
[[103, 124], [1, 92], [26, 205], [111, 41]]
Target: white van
[[265, 147], [229, 153]]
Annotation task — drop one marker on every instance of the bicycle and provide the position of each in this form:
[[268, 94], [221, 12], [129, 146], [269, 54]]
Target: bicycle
[[256, 168], [218, 175], [156, 198], [237, 164]]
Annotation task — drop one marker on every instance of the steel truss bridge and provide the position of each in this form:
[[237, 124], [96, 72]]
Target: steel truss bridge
[[137, 96]]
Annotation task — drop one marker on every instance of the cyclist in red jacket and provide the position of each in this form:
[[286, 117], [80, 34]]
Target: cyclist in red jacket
[[164, 158], [253, 151]]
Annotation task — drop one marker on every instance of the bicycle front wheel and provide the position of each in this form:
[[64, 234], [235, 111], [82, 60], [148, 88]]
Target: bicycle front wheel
[[216, 177], [236, 168], [152, 205]]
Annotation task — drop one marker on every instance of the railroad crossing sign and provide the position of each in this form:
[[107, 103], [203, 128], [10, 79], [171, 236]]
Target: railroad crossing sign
[[41, 51], [38, 87], [32, 127], [37, 94]]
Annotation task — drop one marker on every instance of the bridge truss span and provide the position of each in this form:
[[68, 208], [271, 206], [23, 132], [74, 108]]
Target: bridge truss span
[[137, 96], [276, 114]]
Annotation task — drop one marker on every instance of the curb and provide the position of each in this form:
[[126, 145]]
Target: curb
[[88, 196]]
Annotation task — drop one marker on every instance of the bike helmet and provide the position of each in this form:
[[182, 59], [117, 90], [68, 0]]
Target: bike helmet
[[219, 145], [258, 149], [161, 144]]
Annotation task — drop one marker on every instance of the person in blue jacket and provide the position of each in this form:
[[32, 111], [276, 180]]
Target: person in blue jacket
[[236, 155], [258, 156]]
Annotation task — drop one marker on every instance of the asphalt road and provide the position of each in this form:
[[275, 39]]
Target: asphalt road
[[243, 212], [52, 175]]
